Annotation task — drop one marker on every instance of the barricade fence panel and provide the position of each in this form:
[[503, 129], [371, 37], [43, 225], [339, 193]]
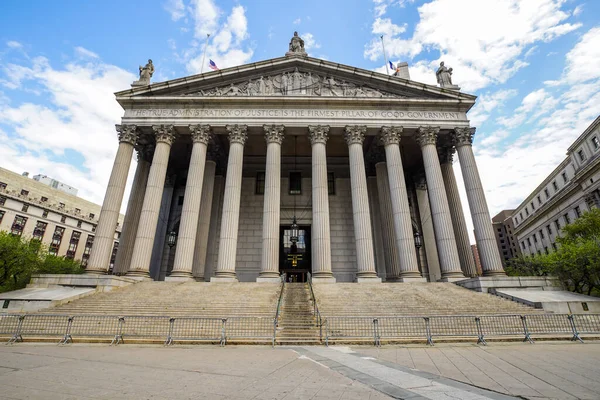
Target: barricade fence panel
[[191, 328], [44, 325], [149, 327], [541, 324], [501, 325], [249, 328], [587, 323], [458, 325], [350, 327], [94, 326], [9, 323], [401, 327]]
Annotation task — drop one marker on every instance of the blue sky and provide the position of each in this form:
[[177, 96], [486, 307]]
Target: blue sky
[[534, 64]]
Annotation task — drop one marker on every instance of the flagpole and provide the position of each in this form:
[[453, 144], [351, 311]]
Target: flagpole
[[204, 56], [385, 56]]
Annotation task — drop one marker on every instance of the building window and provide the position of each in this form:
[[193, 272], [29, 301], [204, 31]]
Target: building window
[[2, 200], [546, 249], [2, 185], [549, 228], [541, 234], [75, 236], [527, 211], [578, 211], [330, 183], [44, 199], [260, 183], [564, 176], [59, 231], [532, 206], [45, 214], [295, 183], [63, 219], [93, 228], [546, 193], [92, 216], [79, 224], [539, 200], [557, 224], [555, 186], [523, 245], [86, 251], [567, 219], [40, 229], [1, 216], [581, 155], [596, 142], [18, 225], [534, 238], [528, 242], [521, 216], [25, 207], [24, 192]]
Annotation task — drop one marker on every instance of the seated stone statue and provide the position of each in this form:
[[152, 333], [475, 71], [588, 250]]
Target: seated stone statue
[[145, 74], [296, 47]]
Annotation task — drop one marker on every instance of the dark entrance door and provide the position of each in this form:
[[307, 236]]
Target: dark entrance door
[[301, 256]]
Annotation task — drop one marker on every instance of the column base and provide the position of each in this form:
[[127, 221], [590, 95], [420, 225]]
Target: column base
[[494, 273], [368, 279], [223, 279], [452, 279], [268, 279], [138, 275], [412, 279], [95, 272], [179, 279], [323, 279], [199, 278]]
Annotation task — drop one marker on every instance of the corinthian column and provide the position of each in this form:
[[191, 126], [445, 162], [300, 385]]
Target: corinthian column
[[186, 241], [231, 205], [392, 263], [134, 209], [269, 270], [463, 244], [405, 243], [146, 232], [208, 186], [320, 233], [365, 258], [440, 211], [109, 214], [484, 233]]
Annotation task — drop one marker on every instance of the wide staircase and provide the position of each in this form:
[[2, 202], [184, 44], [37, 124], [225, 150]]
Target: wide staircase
[[176, 299], [418, 299], [297, 322]]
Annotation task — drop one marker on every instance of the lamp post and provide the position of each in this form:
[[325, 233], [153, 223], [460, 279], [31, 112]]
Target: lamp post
[[171, 239], [418, 245]]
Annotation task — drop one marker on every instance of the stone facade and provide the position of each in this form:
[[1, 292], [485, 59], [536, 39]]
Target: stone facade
[[508, 246], [300, 140]]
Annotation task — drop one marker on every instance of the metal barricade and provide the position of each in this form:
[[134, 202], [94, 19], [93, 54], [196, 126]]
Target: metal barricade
[[351, 328], [502, 325], [550, 324], [456, 326], [249, 328], [196, 329], [45, 325], [91, 326], [402, 327], [10, 324], [585, 324], [143, 327]]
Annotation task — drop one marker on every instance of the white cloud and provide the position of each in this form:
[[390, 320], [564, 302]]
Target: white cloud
[[297, 21], [14, 44], [83, 52], [384, 26], [77, 123], [578, 10], [487, 103], [310, 41], [474, 38], [206, 16], [175, 8], [582, 60]]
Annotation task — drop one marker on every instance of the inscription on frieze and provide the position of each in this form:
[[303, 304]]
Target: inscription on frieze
[[292, 113]]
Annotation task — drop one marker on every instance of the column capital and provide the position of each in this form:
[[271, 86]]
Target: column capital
[[463, 136], [164, 133], [200, 133], [391, 135], [355, 134], [237, 133], [318, 134], [446, 154], [144, 152], [427, 135], [273, 133], [127, 133]]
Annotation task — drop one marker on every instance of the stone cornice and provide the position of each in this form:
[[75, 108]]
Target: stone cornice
[[273, 133], [237, 133], [355, 134]]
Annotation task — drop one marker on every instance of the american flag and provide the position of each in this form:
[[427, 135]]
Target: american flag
[[212, 65]]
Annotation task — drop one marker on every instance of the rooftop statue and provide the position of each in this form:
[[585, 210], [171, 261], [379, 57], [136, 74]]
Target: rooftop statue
[[296, 47], [145, 74], [444, 77]]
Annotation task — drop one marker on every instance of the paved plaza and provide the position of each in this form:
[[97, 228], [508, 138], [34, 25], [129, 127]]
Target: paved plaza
[[555, 370]]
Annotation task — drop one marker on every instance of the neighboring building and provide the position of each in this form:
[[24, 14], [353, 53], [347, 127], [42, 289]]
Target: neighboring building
[[571, 189], [54, 184], [477, 259], [65, 223], [503, 229], [230, 160]]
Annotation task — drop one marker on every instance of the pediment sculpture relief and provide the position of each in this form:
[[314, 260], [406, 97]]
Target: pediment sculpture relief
[[295, 83]]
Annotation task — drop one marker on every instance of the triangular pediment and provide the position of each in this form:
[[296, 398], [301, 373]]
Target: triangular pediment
[[294, 77]]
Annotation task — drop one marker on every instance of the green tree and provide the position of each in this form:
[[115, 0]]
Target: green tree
[[19, 258], [52, 264], [536, 265]]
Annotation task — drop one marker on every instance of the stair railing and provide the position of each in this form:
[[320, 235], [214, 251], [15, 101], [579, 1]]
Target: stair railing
[[276, 319], [315, 306]]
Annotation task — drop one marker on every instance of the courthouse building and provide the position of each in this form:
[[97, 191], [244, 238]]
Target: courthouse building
[[571, 189], [295, 165], [65, 223]]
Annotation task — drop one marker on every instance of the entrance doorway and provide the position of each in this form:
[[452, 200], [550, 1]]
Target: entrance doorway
[[295, 262]]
